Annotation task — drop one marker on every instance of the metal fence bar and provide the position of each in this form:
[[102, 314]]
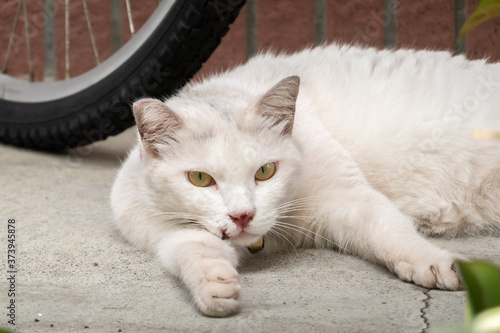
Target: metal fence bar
[[460, 16], [390, 11], [251, 20], [116, 25], [319, 21], [49, 66]]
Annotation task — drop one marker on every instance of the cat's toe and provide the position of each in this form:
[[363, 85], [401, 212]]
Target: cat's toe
[[218, 307], [445, 275], [448, 279], [227, 288], [439, 272], [446, 272], [220, 292]]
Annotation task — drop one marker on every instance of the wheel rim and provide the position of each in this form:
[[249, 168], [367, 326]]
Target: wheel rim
[[16, 90]]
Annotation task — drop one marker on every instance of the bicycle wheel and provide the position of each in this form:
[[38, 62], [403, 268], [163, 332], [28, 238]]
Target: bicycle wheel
[[164, 54]]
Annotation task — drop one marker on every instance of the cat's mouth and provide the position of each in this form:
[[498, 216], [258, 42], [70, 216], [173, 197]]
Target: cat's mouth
[[243, 238]]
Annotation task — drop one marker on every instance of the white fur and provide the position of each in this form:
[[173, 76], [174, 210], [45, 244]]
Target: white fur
[[381, 142]]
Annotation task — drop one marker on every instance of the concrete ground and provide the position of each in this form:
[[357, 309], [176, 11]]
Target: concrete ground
[[74, 273]]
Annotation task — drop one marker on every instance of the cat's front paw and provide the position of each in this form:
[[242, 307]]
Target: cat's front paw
[[434, 271], [219, 291]]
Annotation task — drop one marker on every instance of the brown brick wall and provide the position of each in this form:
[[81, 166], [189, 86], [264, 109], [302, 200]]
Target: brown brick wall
[[356, 21], [421, 24], [483, 41], [425, 24], [282, 25]]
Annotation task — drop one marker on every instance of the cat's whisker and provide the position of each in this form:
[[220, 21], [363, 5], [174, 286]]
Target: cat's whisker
[[296, 209], [173, 219], [299, 203], [185, 218], [296, 217], [301, 231], [310, 199], [313, 235], [177, 214], [276, 236], [289, 229], [276, 231], [305, 205]]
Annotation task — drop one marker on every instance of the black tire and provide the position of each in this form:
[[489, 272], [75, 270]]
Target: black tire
[[170, 56]]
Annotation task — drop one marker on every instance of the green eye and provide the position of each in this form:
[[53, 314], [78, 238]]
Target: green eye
[[266, 171], [200, 179]]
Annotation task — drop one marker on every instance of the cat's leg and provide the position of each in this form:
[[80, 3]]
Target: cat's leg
[[361, 219], [206, 265], [365, 222]]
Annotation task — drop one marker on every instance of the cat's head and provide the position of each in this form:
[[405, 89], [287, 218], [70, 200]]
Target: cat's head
[[221, 160]]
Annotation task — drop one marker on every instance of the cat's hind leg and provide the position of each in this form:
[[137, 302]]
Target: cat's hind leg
[[488, 200], [460, 196]]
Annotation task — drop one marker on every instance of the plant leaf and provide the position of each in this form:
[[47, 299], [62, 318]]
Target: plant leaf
[[485, 11], [486, 3], [483, 282]]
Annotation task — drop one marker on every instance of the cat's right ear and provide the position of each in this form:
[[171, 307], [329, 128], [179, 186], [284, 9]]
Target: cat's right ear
[[157, 124]]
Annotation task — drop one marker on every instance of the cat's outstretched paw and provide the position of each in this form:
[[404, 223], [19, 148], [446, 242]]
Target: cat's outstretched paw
[[219, 291], [436, 271]]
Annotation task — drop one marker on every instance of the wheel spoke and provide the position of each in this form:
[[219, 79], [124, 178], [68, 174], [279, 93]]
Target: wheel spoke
[[129, 15], [11, 38], [92, 38]]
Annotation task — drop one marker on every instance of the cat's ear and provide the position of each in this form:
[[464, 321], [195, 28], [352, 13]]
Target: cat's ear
[[279, 102], [156, 122]]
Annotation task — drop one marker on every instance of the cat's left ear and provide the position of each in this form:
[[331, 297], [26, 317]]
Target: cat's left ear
[[279, 102]]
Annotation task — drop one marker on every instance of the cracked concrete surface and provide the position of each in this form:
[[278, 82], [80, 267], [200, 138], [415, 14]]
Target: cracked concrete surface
[[75, 271], [424, 309]]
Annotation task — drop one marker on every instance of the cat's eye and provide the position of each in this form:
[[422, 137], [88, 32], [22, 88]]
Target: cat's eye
[[266, 171], [200, 179]]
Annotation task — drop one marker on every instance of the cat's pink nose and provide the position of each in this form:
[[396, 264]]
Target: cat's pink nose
[[242, 219]]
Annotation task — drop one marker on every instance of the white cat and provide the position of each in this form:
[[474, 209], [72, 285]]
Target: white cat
[[369, 147]]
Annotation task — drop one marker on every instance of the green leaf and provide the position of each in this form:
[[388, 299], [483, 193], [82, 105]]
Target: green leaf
[[482, 279], [486, 3], [486, 10]]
